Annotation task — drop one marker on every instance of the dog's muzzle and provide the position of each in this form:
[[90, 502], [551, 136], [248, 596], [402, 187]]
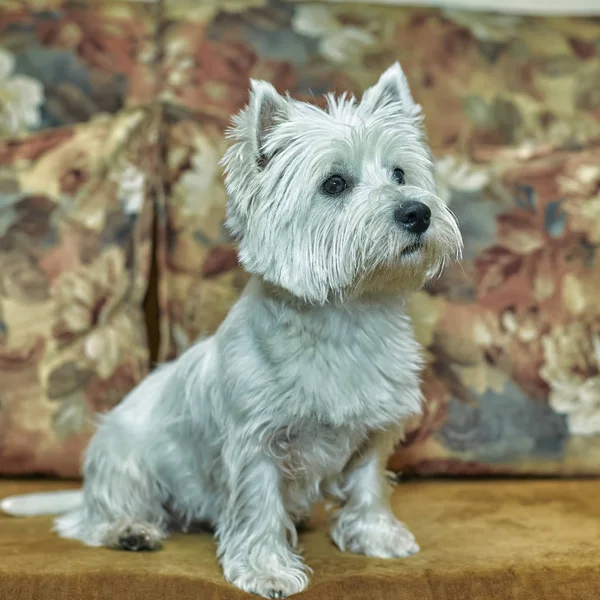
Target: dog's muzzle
[[414, 216]]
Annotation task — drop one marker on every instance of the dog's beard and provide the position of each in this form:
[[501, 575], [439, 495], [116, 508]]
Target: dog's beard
[[392, 261], [409, 271]]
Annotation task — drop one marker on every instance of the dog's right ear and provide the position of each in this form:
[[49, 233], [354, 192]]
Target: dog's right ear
[[267, 110], [251, 151]]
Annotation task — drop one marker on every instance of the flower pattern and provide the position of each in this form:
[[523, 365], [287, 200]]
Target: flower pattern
[[20, 98], [75, 253], [572, 370], [512, 118], [112, 117]]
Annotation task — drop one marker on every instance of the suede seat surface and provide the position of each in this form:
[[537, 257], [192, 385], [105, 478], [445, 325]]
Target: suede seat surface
[[480, 540]]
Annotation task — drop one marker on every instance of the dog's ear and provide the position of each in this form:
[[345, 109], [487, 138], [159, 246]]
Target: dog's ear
[[392, 88], [267, 110]]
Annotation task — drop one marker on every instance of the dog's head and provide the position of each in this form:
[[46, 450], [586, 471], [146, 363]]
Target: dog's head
[[337, 202]]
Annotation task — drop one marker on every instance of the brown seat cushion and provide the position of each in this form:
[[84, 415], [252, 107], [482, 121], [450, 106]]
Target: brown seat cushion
[[479, 541]]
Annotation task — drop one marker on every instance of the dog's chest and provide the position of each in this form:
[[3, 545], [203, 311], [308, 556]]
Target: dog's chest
[[342, 369]]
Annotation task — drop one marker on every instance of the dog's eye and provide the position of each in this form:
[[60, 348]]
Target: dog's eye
[[334, 185], [399, 176]]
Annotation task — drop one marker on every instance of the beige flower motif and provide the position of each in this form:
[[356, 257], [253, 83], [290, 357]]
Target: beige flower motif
[[91, 306], [584, 208], [575, 129], [208, 303], [572, 370], [71, 417], [20, 98], [453, 175], [190, 191], [87, 296], [198, 197], [425, 312], [177, 64], [507, 339], [103, 347], [20, 279], [131, 188], [204, 11], [181, 338], [338, 43], [486, 27]]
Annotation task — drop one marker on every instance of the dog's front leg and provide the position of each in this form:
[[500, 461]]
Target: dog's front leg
[[255, 534], [366, 524]]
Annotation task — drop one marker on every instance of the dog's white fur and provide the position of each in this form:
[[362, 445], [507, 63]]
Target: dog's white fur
[[302, 392]]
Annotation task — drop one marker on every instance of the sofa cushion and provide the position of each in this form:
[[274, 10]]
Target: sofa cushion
[[492, 540], [75, 249], [511, 108], [512, 115], [76, 182]]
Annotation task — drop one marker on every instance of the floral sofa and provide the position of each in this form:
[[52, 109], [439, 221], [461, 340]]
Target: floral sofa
[[113, 256]]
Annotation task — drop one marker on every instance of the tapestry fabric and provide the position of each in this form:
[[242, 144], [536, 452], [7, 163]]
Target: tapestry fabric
[[113, 114], [512, 111], [78, 147]]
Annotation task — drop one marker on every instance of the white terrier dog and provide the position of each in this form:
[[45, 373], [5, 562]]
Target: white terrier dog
[[301, 393]]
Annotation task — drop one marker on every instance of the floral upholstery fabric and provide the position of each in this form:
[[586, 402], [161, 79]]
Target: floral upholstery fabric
[[77, 162], [513, 116], [512, 335]]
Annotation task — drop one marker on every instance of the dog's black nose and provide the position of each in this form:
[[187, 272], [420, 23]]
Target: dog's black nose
[[414, 216]]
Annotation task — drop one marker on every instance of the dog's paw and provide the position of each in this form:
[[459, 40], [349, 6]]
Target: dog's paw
[[134, 537], [380, 537], [271, 584]]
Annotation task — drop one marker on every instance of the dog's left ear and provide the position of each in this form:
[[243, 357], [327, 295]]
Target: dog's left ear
[[392, 88]]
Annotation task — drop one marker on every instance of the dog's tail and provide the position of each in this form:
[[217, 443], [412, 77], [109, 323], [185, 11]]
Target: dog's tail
[[46, 503]]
